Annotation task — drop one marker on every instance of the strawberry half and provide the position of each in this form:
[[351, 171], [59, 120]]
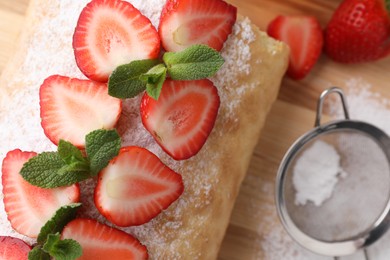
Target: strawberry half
[[12, 248], [303, 34], [110, 33], [135, 187], [359, 31], [71, 108], [29, 207], [187, 22], [183, 116], [99, 241]]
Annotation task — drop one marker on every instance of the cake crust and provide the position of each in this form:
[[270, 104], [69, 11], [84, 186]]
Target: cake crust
[[194, 226]]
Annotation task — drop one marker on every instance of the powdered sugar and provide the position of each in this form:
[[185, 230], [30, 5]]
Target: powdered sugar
[[50, 52], [315, 173]]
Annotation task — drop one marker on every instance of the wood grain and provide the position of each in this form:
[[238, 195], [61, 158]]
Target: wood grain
[[254, 222]]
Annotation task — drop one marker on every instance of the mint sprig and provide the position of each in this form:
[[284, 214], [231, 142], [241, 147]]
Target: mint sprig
[[37, 253], [49, 170], [58, 221], [68, 166], [194, 63], [101, 146], [125, 81], [154, 79], [49, 243], [66, 249]]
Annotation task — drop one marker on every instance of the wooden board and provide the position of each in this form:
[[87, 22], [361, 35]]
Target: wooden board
[[254, 231]]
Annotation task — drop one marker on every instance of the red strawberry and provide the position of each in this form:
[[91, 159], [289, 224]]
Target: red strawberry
[[71, 108], [29, 207], [110, 33], [135, 187], [99, 241], [12, 248], [183, 116], [303, 34], [358, 31], [187, 22]]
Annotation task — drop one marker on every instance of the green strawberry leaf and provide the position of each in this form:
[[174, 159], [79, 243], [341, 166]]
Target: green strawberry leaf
[[124, 82], [101, 146], [49, 170], [58, 221], [195, 62], [38, 254], [67, 249], [154, 79]]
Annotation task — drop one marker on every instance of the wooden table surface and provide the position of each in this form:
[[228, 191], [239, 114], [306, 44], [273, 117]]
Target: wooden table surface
[[254, 231]]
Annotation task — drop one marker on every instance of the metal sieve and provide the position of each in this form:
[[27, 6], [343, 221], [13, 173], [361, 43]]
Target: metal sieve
[[333, 185]]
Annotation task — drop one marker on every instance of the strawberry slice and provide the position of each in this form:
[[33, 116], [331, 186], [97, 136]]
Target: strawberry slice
[[303, 34], [110, 33], [99, 241], [135, 187], [183, 116], [187, 22], [71, 108], [29, 207], [12, 248]]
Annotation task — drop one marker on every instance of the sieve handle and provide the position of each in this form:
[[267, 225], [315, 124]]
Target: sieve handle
[[323, 95]]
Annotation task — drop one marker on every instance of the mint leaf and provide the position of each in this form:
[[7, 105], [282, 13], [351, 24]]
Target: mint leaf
[[38, 254], [67, 249], [388, 7], [101, 146], [124, 81], [154, 79], [195, 62], [70, 153], [58, 221], [49, 170]]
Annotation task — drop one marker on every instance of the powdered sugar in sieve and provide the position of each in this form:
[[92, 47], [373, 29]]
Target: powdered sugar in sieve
[[327, 181]]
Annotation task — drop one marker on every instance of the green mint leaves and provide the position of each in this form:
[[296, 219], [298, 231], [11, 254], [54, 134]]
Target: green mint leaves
[[154, 80], [68, 166], [67, 249], [387, 2], [49, 170], [61, 217], [195, 62], [101, 146], [125, 81], [49, 243]]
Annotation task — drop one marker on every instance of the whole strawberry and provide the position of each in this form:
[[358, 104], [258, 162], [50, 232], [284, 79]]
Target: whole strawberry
[[359, 31]]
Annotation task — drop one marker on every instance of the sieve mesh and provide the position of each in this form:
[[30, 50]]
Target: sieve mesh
[[358, 191]]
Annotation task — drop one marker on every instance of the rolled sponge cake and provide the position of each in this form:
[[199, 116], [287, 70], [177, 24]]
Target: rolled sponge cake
[[192, 227]]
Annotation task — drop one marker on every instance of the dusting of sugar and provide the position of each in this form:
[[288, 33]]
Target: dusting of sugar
[[237, 55], [273, 242], [50, 52]]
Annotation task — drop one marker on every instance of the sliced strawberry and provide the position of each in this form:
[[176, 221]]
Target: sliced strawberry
[[99, 241], [29, 207], [71, 108], [12, 248], [183, 116], [135, 187], [187, 22], [303, 34], [110, 33]]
